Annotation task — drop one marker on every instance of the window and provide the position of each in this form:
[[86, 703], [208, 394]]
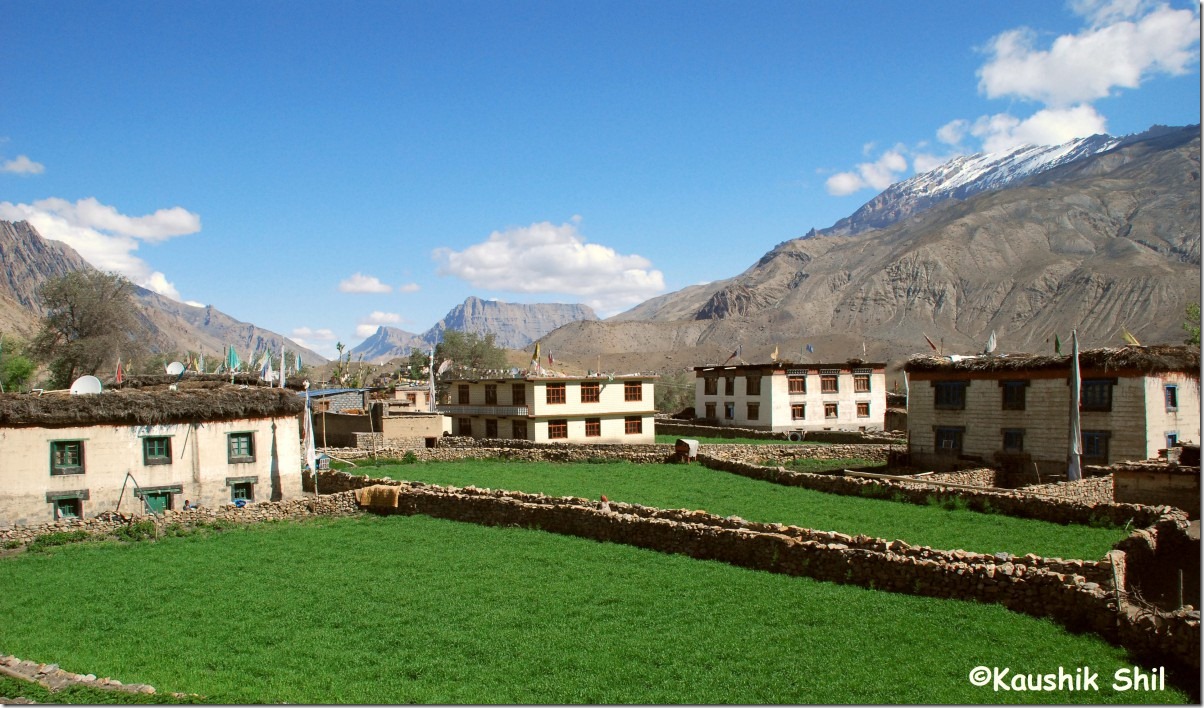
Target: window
[[861, 383], [710, 386], [593, 427], [72, 508], [729, 410], [1096, 394], [464, 427], [156, 451], [555, 393], [633, 425], [518, 429], [949, 439], [830, 410], [863, 409], [1095, 446], [518, 394], [1013, 394], [1013, 440], [462, 392], [828, 383], [67, 457], [591, 392], [491, 427], [752, 385], [798, 411], [950, 395], [67, 505], [633, 391], [241, 447], [491, 394], [558, 429], [1172, 397], [754, 411], [710, 410], [242, 490], [797, 384], [412, 399], [157, 502], [1172, 439], [729, 385]]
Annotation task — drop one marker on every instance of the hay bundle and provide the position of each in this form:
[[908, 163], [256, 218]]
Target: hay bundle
[[144, 406], [1158, 358], [378, 495]]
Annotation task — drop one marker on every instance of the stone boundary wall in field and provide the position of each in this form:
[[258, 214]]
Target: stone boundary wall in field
[[693, 430], [1076, 593]]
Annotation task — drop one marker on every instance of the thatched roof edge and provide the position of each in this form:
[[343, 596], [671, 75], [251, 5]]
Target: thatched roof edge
[[147, 407], [1158, 358]]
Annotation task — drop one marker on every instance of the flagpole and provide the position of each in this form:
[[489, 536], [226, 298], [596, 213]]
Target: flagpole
[[1074, 470]]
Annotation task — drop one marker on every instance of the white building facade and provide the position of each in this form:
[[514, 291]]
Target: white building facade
[[784, 397], [554, 409], [1014, 411]]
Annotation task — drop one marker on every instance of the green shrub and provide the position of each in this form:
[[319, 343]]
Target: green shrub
[[57, 538], [410, 458], [137, 531], [9, 545]]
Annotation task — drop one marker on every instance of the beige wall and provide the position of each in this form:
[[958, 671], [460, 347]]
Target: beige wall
[[775, 400], [1136, 424], [199, 465], [611, 409]]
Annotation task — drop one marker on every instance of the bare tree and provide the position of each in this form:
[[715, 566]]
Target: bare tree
[[90, 322]]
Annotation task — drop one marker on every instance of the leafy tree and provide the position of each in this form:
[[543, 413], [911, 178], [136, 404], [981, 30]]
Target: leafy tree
[[16, 369], [470, 352], [675, 392], [90, 322], [1192, 324]]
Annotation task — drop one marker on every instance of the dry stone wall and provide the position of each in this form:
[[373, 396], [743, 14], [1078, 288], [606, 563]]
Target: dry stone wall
[[1077, 593]]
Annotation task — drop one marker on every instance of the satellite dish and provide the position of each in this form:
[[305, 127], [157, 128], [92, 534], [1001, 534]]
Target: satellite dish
[[175, 368], [86, 384]]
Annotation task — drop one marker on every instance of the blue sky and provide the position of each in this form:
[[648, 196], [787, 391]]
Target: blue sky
[[321, 168]]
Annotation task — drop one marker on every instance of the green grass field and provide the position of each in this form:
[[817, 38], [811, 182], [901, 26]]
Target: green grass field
[[403, 609], [697, 487]]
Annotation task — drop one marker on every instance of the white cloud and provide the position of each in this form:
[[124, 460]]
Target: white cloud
[[1050, 126], [368, 325], [545, 258], [360, 283], [1105, 12], [316, 335], [22, 165], [879, 174], [409, 288], [366, 330], [1088, 66], [106, 238]]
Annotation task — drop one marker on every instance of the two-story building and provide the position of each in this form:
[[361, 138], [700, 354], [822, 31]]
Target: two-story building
[[1013, 411], [785, 397], [599, 409], [65, 455]]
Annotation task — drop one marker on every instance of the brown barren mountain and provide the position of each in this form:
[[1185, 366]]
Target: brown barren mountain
[[1103, 244]]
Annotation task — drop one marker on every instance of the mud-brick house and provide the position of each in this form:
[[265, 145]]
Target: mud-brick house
[[1013, 411], [65, 455], [580, 409], [784, 397]]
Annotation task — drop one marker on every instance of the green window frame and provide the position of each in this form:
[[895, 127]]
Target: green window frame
[[242, 488], [66, 457], [156, 450], [240, 447]]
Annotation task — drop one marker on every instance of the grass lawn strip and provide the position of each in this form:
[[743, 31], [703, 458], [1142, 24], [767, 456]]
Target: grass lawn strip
[[697, 487], [413, 609]]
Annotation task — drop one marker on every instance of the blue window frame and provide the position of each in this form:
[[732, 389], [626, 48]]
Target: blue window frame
[[1013, 439], [1096, 394], [949, 440], [1095, 446], [1172, 397]]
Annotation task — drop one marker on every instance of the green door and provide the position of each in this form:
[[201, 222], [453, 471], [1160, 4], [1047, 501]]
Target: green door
[[157, 502]]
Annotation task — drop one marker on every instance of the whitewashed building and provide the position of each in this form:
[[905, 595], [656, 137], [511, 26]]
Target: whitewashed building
[[64, 455], [1014, 411], [586, 409], [785, 397]]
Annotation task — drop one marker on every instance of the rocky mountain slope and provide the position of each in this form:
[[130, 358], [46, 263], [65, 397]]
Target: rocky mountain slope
[[1106, 241], [514, 326], [27, 260]]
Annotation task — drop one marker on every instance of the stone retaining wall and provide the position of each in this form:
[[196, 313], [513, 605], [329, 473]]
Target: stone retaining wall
[[1068, 591], [694, 430]]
